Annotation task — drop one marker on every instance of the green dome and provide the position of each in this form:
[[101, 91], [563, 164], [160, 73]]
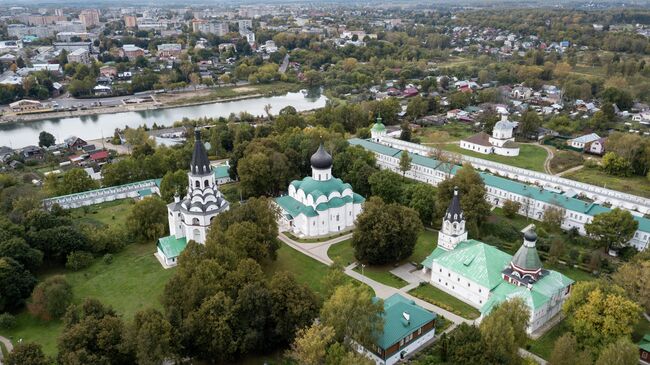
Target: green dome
[[378, 127]]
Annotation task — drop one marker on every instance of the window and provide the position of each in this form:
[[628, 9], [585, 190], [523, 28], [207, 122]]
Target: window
[[468, 285]]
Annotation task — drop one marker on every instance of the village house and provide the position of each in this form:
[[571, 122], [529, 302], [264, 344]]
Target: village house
[[169, 50], [26, 105], [644, 349], [108, 71], [131, 51], [596, 147], [579, 143], [79, 56]]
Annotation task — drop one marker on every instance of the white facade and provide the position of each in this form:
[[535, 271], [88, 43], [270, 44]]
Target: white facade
[[396, 357]]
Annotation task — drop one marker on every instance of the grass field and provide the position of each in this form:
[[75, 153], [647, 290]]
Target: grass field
[[305, 269], [530, 157], [342, 253], [132, 282], [636, 185], [518, 221], [437, 297], [444, 134], [275, 88], [543, 346], [108, 213], [382, 275]]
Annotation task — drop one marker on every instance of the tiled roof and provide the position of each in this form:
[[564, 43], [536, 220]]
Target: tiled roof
[[482, 139], [396, 327]]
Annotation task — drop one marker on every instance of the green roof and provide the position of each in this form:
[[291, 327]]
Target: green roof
[[144, 192], [435, 254], [221, 172], [294, 207], [645, 343], [527, 258], [356, 198], [172, 246], [335, 202], [476, 261], [378, 127], [532, 191], [316, 188], [396, 327]]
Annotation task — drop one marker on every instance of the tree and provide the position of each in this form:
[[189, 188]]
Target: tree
[[387, 185], [511, 208], [355, 165], [599, 313], [294, 306], [404, 163], [151, 337], [148, 218], [353, 314], [248, 238], [488, 119], [616, 165], [422, 198], [263, 172], [529, 123], [553, 218], [93, 334], [613, 229], [406, 133], [51, 298], [417, 107], [621, 352], [385, 232], [634, 278], [16, 284], [45, 139], [472, 195], [311, 344], [565, 352], [19, 250], [172, 184], [504, 331], [74, 181], [27, 353], [463, 346]]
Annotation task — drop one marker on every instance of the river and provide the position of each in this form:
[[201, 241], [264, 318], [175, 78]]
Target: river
[[21, 134]]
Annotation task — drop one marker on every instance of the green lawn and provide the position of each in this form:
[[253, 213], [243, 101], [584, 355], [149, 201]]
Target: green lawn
[[543, 346], [316, 240], [518, 221], [108, 213], [426, 243], [132, 282], [433, 295], [306, 270], [572, 272], [530, 157], [636, 185], [382, 274], [342, 252]]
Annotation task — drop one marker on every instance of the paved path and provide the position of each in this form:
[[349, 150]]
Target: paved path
[[539, 360], [5, 341], [318, 250]]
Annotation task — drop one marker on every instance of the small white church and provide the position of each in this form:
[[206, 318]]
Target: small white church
[[320, 204], [501, 142], [190, 218], [483, 276]]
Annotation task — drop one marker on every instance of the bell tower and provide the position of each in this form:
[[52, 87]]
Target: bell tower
[[453, 225]]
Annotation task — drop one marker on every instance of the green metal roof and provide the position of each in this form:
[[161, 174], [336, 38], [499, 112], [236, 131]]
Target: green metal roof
[[396, 327], [532, 191], [645, 343], [221, 172], [434, 254], [378, 127], [294, 207], [476, 261], [316, 188], [172, 246], [357, 199], [527, 258], [335, 202], [144, 192]]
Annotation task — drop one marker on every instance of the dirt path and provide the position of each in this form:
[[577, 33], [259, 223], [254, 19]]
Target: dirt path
[[549, 157], [5, 341], [576, 168]]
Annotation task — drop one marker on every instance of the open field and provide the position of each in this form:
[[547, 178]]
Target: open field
[[636, 185], [108, 213], [132, 282], [305, 269], [318, 239], [226, 92], [451, 132], [530, 156], [382, 275], [433, 295]]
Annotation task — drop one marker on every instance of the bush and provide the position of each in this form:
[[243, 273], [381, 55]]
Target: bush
[[78, 260], [511, 208], [108, 259], [51, 298], [7, 321]]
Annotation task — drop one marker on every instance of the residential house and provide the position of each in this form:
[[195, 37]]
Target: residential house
[[644, 349], [5, 153], [31, 153], [169, 50], [75, 143], [26, 105], [99, 157], [222, 174], [407, 328], [596, 147], [131, 51], [80, 55], [580, 142], [108, 71]]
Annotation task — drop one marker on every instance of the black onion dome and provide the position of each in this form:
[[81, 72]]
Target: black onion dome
[[200, 164], [454, 211], [530, 235], [321, 159]]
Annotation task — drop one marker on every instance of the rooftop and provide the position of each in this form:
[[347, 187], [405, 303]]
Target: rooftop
[[396, 326]]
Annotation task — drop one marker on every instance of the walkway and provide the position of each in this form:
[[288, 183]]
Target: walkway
[[576, 168], [5, 341], [549, 156], [318, 250]]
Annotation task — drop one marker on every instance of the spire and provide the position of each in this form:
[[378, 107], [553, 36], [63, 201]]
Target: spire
[[379, 120], [200, 164], [454, 211]]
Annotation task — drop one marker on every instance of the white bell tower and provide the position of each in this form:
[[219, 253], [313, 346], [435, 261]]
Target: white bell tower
[[453, 225]]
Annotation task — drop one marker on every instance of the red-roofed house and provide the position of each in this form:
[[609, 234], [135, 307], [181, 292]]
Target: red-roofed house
[[409, 92], [101, 156]]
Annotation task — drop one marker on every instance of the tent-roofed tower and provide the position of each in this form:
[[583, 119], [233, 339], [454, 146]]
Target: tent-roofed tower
[[526, 267], [453, 224]]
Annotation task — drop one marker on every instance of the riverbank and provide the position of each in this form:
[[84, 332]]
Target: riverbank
[[165, 101]]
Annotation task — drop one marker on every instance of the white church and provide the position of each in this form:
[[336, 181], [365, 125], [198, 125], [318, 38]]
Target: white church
[[320, 204], [190, 218], [483, 276], [501, 142]]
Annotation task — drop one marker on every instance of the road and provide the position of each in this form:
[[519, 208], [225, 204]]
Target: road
[[5, 341]]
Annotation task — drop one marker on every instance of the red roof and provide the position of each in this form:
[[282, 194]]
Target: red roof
[[101, 155]]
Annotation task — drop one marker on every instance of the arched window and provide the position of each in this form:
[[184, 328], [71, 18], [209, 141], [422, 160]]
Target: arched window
[[205, 183], [195, 221], [197, 184]]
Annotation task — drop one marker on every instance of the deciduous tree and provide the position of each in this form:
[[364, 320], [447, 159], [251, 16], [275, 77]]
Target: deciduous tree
[[613, 229], [27, 353], [51, 298], [148, 218]]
